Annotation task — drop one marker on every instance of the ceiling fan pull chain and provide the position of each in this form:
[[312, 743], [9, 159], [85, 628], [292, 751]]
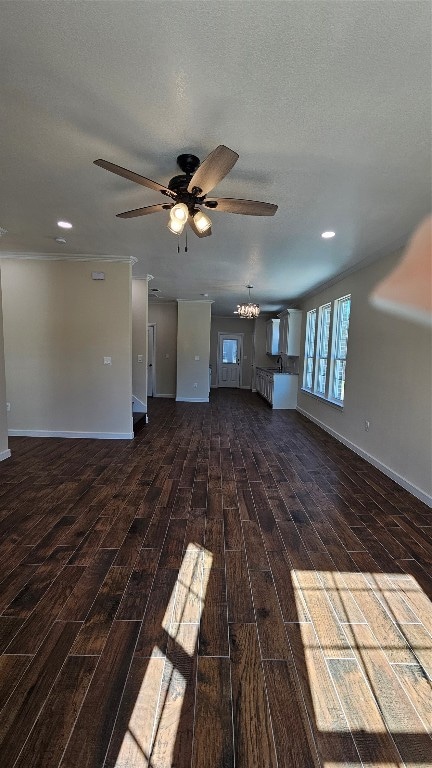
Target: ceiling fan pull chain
[[186, 243], [178, 244]]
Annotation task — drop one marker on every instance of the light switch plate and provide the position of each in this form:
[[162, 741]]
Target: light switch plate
[[196, 357], [107, 361], [140, 358]]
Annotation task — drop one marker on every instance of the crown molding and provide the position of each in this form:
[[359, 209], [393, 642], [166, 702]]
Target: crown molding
[[195, 301], [161, 300], [147, 278], [69, 257]]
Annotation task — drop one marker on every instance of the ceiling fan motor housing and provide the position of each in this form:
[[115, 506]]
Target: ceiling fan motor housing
[[188, 163], [179, 185]]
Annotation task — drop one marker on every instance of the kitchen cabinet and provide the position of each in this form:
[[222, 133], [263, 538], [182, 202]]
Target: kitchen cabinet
[[289, 332], [272, 337], [279, 389]]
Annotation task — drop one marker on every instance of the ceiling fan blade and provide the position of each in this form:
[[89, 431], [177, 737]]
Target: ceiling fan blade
[[142, 211], [193, 226], [213, 169], [246, 207], [133, 176]]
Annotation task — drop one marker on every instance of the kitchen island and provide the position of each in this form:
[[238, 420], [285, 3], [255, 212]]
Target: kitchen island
[[279, 388]]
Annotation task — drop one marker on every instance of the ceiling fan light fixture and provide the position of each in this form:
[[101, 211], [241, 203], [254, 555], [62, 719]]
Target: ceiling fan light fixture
[[179, 212], [175, 226], [202, 222]]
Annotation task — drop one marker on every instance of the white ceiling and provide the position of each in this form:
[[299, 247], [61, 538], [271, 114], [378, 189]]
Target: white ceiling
[[327, 103]]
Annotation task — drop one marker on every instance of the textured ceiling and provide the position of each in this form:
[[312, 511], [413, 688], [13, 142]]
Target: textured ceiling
[[328, 105]]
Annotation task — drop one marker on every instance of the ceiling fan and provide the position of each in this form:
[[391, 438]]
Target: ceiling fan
[[188, 191]]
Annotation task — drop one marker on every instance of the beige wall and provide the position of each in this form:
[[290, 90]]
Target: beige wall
[[4, 451], [388, 382], [193, 340], [260, 358], [139, 344], [164, 316], [232, 325], [59, 324]]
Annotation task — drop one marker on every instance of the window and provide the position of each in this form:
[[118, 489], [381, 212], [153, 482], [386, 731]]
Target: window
[[309, 349], [326, 350], [342, 315], [324, 315]]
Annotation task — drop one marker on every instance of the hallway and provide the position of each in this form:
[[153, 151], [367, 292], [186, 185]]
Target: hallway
[[232, 588]]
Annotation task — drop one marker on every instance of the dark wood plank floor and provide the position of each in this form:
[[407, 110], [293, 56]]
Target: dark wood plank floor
[[231, 588]]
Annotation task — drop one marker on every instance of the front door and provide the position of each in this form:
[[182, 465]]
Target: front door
[[229, 359]]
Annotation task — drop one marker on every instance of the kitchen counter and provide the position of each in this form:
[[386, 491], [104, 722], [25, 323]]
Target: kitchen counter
[[276, 370]]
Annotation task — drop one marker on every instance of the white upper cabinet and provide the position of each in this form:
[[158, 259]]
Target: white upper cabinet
[[272, 337], [289, 332]]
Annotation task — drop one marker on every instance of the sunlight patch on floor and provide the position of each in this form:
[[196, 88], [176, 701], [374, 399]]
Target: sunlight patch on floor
[[363, 629], [150, 741]]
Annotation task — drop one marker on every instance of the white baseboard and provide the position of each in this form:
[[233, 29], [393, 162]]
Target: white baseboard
[[192, 399], [138, 406], [245, 386], [5, 454], [171, 397], [399, 479], [88, 435]]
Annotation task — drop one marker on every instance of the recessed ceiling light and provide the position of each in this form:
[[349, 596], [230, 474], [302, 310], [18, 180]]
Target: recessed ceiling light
[[327, 235], [64, 224]]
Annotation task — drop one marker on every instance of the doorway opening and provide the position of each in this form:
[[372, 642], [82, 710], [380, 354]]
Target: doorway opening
[[151, 370]]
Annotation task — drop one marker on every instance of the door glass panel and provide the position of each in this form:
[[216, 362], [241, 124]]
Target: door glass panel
[[229, 350]]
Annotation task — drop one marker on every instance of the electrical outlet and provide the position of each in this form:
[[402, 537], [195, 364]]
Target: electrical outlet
[[367, 425], [195, 386], [107, 361], [8, 406]]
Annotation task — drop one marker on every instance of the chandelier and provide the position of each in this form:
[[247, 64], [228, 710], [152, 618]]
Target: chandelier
[[248, 311]]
